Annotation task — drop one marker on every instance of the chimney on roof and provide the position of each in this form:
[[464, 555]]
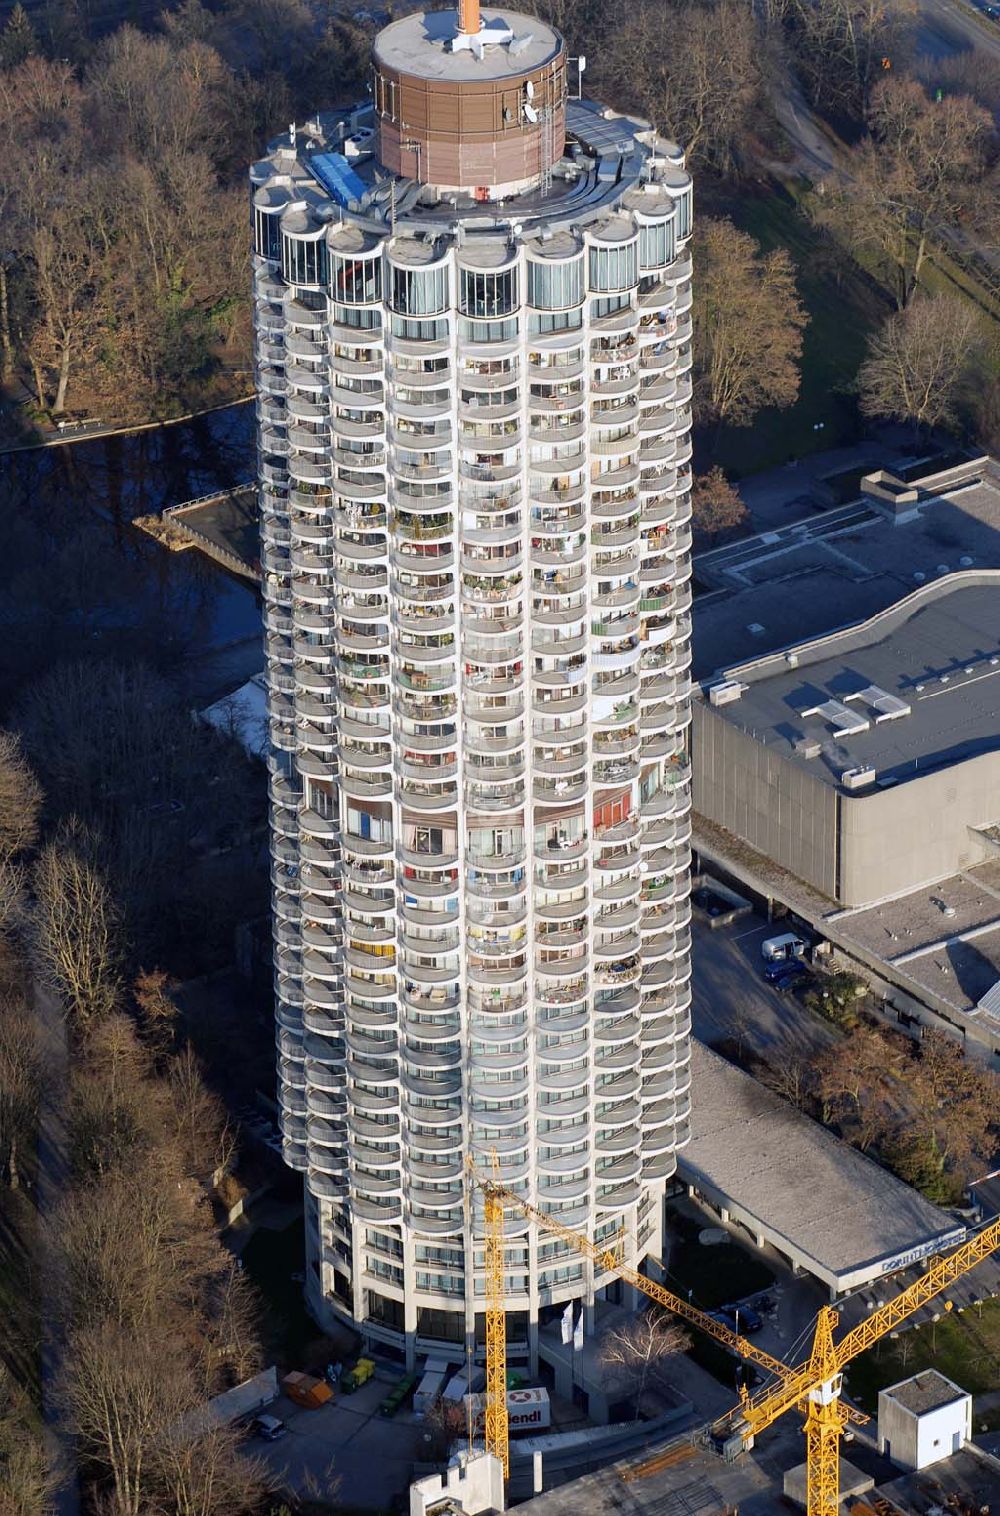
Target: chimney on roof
[[469, 23]]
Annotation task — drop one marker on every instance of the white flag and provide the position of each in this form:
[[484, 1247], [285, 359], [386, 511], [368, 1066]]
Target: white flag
[[567, 1325], [578, 1333]]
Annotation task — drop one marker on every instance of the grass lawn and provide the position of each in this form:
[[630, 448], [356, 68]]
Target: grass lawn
[[965, 1348], [714, 1275], [844, 306]]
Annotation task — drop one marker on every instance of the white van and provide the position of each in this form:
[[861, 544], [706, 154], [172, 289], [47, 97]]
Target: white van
[[777, 949]]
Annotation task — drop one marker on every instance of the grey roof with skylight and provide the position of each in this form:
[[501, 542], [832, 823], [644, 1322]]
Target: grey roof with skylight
[[913, 689]]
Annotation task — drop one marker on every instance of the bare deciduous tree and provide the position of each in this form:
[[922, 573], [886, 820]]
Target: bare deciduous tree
[[76, 927], [20, 1082], [641, 1346], [26, 1484], [792, 1078], [157, 1011], [919, 363], [703, 88], [233, 1339], [120, 1241], [205, 1140], [203, 1471], [839, 47], [918, 168], [717, 507], [748, 323], [20, 798], [123, 1391], [20, 808]]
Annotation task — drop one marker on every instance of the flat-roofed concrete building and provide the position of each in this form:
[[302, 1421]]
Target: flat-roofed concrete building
[[867, 761], [923, 1419], [827, 1208]]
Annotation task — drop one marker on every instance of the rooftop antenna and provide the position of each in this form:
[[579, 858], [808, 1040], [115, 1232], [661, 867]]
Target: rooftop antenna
[[469, 22]]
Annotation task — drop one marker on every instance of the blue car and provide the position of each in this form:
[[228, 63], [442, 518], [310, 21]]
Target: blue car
[[784, 968], [742, 1318]]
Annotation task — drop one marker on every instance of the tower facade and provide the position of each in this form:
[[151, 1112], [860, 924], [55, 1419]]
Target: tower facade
[[473, 350]]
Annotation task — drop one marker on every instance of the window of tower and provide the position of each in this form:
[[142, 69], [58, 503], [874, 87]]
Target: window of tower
[[607, 305], [656, 244], [556, 321], [614, 268], [267, 235], [303, 262], [555, 286], [500, 330], [683, 209], [355, 281], [492, 294], [419, 291]]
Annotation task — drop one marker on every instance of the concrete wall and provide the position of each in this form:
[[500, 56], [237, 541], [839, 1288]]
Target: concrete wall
[[776, 806], [895, 840]]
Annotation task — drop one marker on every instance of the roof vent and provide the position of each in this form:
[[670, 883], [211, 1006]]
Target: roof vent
[[859, 778], [726, 692], [966, 561], [792, 659], [755, 629], [808, 747]]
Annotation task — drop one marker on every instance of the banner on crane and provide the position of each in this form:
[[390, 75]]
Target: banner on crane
[[578, 1333], [567, 1325]]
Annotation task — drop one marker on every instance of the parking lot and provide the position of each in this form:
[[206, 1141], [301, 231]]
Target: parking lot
[[730, 996], [345, 1452]]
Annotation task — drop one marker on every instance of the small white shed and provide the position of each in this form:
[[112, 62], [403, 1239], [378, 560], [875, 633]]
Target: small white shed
[[923, 1419]]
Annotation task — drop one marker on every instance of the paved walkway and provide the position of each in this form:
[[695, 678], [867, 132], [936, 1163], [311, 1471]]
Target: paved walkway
[[52, 1173]]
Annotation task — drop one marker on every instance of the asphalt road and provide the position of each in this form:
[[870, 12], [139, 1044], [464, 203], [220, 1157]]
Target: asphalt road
[[730, 995], [948, 27]]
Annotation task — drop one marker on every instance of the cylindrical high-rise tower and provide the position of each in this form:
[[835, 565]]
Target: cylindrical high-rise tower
[[472, 307]]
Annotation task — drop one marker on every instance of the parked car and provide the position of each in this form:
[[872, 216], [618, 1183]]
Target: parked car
[[780, 949], [268, 1428], [796, 974], [743, 1319]]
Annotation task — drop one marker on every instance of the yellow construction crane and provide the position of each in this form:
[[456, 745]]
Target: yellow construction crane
[[814, 1386]]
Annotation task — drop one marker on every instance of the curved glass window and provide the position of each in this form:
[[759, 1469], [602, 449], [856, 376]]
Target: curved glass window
[[355, 281], [555, 321], [614, 268], [266, 234], [303, 262], [487, 331], [419, 291], [656, 244], [419, 331], [488, 294], [555, 286], [683, 204]]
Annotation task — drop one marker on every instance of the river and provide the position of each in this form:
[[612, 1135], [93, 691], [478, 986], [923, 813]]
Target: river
[[111, 480]]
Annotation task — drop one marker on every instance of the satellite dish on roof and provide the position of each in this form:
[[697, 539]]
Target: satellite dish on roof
[[529, 89], [530, 113]]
